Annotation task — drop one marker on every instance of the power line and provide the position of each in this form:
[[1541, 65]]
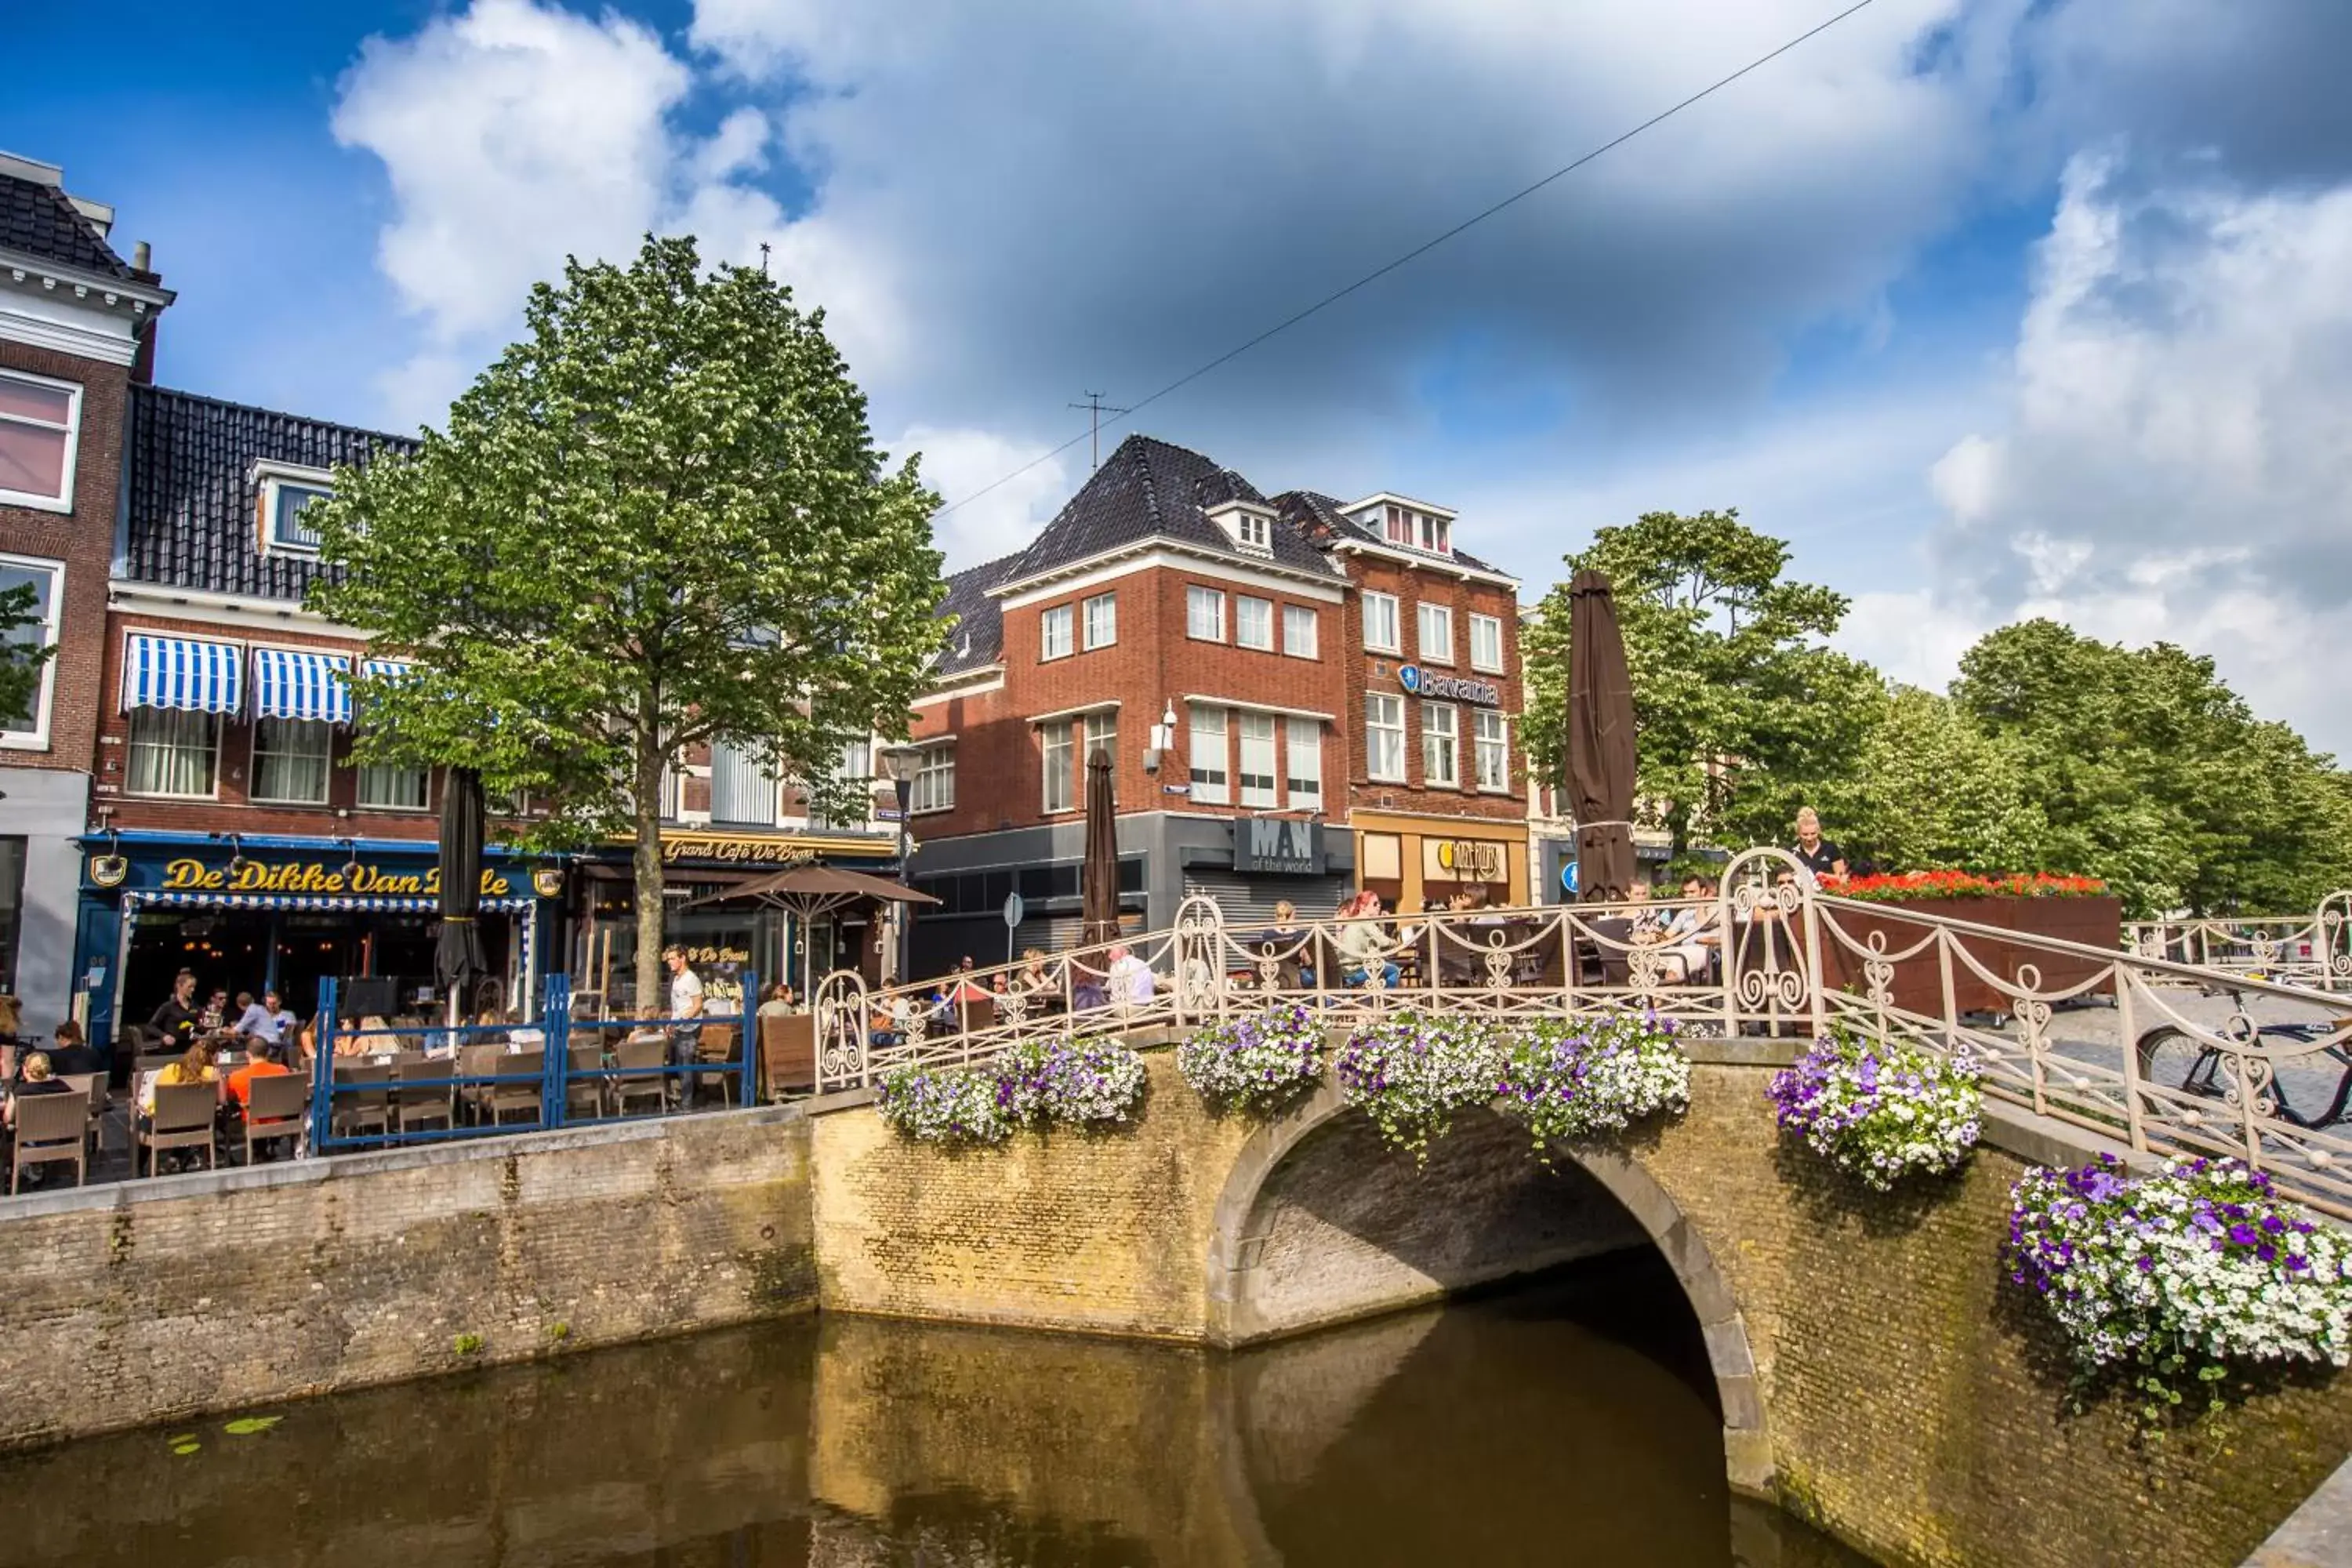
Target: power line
[[1415, 254]]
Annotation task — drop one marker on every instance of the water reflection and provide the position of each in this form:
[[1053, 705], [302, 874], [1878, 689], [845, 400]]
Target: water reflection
[[1559, 1424]]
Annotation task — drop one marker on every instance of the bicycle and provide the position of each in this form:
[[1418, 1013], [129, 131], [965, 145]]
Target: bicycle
[[2165, 1046]]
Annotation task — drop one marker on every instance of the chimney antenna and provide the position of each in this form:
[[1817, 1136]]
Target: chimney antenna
[[1097, 407]]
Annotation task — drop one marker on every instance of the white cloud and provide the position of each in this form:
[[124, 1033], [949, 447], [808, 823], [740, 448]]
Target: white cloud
[[957, 463]]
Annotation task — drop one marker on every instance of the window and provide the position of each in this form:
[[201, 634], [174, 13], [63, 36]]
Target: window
[[1441, 761], [1399, 526], [1209, 753], [171, 752], [1432, 533], [29, 726], [1060, 769], [1493, 733], [1102, 620], [1053, 633], [1305, 764], [1299, 628], [1102, 735], [741, 789], [1436, 643], [1384, 737], [40, 421], [1252, 623], [285, 495], [934, 783], [1486, 644], [1380, 624], [387, 787], [1204, 615], [1253, 531], [289, 761], [1257, 780]]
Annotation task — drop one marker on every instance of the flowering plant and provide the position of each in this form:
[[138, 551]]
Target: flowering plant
[[1411, 1073], [1583, 1080], [2195, 1267], [1894, 886], [958, 1106], [1257, 1062], [1881, 1110], [1085, 1083]]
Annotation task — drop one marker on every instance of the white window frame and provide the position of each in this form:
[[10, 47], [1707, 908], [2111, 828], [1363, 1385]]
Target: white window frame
[[1388, 607], [933, 786], [35, 737], [1296, 646], [258, 753], [1098, 730], [1197, 600], [1441, 738], [1211, 786], [1491, 744], [1060, 619], [1058, 737], [1255, 533], [381, 771], [1243, 604], [1437, 647], [143, 715], [1302, 763], [1493, 626], [274, 480], [1099, 630], [62, 501], [1259, 786], [1384, 737]]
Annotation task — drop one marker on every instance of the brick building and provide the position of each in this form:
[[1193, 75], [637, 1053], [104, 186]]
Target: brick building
[[77, 327], [1212, 640]]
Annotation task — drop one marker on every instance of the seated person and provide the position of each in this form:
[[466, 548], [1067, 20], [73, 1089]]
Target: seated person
[[37, 1079], [192, 1066], [779, 1002], [1283, 941], [71, 1056], [1694, 938], [1130, 979], [1361, 942], [237, 1089]]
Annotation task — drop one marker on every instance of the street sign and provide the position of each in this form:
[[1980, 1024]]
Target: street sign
[[1568, 878], [1013, 908], [888, 814]]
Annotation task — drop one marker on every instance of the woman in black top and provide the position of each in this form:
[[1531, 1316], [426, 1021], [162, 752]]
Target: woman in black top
[[176, 1019], [1812, 851]]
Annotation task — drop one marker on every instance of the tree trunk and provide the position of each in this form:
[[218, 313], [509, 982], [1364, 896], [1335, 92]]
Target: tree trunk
[[646, 865]]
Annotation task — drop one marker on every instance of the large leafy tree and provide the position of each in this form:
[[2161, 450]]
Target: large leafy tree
[[1929, 790], [22, 653], [1740, 709], [655, 520]]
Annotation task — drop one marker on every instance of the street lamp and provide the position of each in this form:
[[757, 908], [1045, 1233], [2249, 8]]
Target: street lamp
[[902, 759]]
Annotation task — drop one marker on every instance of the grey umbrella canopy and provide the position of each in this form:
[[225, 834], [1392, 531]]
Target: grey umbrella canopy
[[1599, 741], [1098, 872], [810, 892], [457, 957]]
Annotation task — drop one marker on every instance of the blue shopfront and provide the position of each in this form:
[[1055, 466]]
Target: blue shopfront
[[252, 913]]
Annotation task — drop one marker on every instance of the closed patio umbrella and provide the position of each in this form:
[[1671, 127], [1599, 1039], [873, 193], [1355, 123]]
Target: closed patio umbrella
[[1098, 872], [458, 957], [1599, 741]]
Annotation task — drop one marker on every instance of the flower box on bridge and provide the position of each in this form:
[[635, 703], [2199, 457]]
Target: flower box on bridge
[[1917, 984]]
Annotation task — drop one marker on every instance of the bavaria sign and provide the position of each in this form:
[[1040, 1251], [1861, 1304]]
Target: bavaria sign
[[1426, 683]]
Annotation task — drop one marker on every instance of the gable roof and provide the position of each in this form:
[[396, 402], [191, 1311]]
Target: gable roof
[[1153, 490], [1317, 517], [192, 507], [38, 220], [978, 638]]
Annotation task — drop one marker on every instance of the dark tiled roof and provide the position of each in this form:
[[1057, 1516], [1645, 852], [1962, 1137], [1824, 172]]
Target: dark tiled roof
[[193, 515], [1317, 517], [1150, 489], [979, 635], [37, 220]]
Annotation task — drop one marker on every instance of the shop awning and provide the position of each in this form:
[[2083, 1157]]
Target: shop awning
[[289, 684], [182, 673], [387, 668], [404, 903]]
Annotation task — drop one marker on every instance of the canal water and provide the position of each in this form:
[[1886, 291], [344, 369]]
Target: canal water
[[1564, 1422]]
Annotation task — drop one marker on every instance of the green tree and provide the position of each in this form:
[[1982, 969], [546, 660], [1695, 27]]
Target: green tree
[[1931, 791], [22, 653], [657, 520], [1740, 710]]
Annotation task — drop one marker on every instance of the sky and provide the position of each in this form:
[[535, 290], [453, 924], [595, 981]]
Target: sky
[[1990, 308]]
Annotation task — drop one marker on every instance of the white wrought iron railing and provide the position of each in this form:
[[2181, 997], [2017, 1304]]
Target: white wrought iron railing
[[2313, 950], [2159, 1053]]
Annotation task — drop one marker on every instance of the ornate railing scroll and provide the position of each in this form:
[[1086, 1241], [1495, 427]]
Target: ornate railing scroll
[[2313, 950]]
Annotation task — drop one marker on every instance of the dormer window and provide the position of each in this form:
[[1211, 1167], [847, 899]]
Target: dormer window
[[1405, 524], [286, 493], [1251, 527]]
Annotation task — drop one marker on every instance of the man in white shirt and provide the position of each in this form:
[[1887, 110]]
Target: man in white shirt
[[1131, 980], [685, 1003]]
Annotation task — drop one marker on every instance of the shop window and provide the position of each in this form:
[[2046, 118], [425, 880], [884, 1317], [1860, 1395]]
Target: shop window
[[390, 787], [1493, 734], [29, 725], [1257, 761], [1102, 620], [1304, 765], [934, 785], [1053, 633], [1384, 737], [1381, 866], [1058, 744], [1204, 615], [1380, 624], [12, 907], [1300, 629], [1441, 745], [173, 753], [1252, 623], [1486, 644], [1435, 644], [41, 426], [1209, 781], [289, 761]]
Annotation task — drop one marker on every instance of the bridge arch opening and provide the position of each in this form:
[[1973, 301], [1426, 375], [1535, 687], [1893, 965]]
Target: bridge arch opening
[[1318, 1225]]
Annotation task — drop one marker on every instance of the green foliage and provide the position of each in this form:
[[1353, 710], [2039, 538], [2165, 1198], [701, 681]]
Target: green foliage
[[1740, 709], [657, 520], [250, 1425], [21, 657], [1930, 791], [466, 1344]]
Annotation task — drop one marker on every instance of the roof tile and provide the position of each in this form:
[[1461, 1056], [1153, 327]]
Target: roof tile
[[38, 220]]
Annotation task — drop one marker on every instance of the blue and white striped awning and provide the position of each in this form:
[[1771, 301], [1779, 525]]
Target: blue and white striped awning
[[182, 673], [421, 904], [291, 684], [387, 668]]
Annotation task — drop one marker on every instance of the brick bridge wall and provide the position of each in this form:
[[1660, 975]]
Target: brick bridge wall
[[1875, 1375], [157, 1300]]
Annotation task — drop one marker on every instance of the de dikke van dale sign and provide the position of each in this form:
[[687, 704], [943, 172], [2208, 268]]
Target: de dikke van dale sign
[[1424, 683]]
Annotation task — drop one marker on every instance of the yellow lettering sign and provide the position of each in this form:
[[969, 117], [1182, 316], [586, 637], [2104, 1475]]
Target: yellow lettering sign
[[317, 878]]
